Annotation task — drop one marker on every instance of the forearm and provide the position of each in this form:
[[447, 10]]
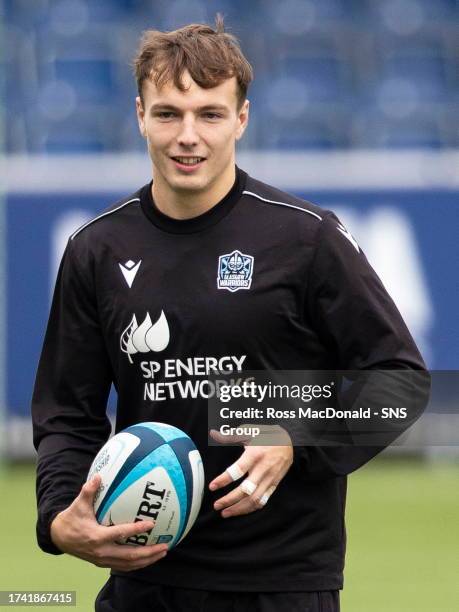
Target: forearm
[[346, 444], [62, 465]]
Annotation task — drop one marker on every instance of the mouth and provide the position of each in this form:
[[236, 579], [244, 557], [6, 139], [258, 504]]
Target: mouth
[[188, 163]]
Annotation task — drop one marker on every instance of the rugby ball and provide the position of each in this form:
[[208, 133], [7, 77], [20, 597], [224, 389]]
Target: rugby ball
[[150, 471]]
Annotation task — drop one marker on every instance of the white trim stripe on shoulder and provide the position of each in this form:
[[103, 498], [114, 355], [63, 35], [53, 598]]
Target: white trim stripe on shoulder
[[305, 210], [105, 214]]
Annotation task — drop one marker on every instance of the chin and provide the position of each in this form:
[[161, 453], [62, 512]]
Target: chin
[[188, 183], [190, 189]]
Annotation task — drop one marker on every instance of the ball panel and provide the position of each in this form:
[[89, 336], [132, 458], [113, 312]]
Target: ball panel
[[109, 461], [182, 448], [148, 440], [152, 497], [197, 494], [168, 432]]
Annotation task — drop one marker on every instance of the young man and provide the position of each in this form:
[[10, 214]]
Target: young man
[[301, 296]]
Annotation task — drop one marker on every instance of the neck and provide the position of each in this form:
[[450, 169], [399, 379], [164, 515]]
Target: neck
[[186, 204]]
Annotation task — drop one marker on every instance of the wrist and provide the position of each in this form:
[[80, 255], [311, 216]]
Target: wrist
[[54, 529]]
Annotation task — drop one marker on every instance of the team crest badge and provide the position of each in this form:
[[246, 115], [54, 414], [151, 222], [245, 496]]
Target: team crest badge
[[235, 271]]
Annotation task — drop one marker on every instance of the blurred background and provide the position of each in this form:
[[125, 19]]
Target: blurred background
[[355, 106]]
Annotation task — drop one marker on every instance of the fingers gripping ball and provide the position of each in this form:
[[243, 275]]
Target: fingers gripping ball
[[150, 471]]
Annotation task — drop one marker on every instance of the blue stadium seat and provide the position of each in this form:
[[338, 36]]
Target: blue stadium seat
[[427, 75], [127, 135], [69, 142], [333, 10], [25, 14], [324, 78], [181, 12], [81, 134], [93, 80], [411, 135], [110, 10], [296, 17], [377, 130], [409, 16], [323, 130], [439, 9]]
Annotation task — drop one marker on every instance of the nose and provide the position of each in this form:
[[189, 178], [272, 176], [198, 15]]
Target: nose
[[188, 135]]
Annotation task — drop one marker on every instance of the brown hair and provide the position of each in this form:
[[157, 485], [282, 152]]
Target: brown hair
[[210, 56]]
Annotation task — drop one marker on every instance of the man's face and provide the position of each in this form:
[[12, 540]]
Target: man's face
[[191, 135]]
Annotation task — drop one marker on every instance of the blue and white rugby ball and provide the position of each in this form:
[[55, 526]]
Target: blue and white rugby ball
[[150, 471]]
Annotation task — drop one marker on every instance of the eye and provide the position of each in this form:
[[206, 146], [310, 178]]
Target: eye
[[165, 115], [212, 116]]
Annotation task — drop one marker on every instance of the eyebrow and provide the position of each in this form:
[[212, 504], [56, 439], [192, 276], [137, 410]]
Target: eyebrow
[[207, 107]]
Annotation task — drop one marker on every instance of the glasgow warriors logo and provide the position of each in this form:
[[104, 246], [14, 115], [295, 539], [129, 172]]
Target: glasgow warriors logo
[[235, 271]]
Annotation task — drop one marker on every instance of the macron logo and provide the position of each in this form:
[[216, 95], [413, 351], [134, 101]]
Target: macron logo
[[129, 270], [349, 236]]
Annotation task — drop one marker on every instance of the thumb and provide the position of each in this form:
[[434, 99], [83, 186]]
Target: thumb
[[229, 439], [89, 489]]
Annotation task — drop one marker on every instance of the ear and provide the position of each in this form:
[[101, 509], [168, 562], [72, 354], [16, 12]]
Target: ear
[[243, 119], [140, 116]]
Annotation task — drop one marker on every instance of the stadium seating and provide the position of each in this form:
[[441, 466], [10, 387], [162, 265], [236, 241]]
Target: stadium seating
[[329, 73]]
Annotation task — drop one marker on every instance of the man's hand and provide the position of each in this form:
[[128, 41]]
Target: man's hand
[[265, 467], [75, 531]]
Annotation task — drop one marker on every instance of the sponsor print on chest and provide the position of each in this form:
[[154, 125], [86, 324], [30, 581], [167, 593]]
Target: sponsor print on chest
[[171, 378]]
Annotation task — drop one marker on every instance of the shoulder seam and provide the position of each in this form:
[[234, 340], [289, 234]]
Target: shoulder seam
[[305, 210], [105, 214]]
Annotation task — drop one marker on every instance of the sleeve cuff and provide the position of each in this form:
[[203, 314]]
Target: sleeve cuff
[[44, 532]]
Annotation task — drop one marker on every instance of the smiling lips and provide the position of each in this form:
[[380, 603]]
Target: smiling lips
[[188, 160], [188, 163]]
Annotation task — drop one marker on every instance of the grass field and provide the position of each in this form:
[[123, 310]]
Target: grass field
[[403, 541]]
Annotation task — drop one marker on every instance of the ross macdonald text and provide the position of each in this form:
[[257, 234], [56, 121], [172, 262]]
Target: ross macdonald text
[[256, 414]]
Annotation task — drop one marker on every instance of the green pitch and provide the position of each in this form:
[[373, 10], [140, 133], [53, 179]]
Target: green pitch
[[403, 541]]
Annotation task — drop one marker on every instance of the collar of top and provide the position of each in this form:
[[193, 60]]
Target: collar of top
[[194, 224]]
